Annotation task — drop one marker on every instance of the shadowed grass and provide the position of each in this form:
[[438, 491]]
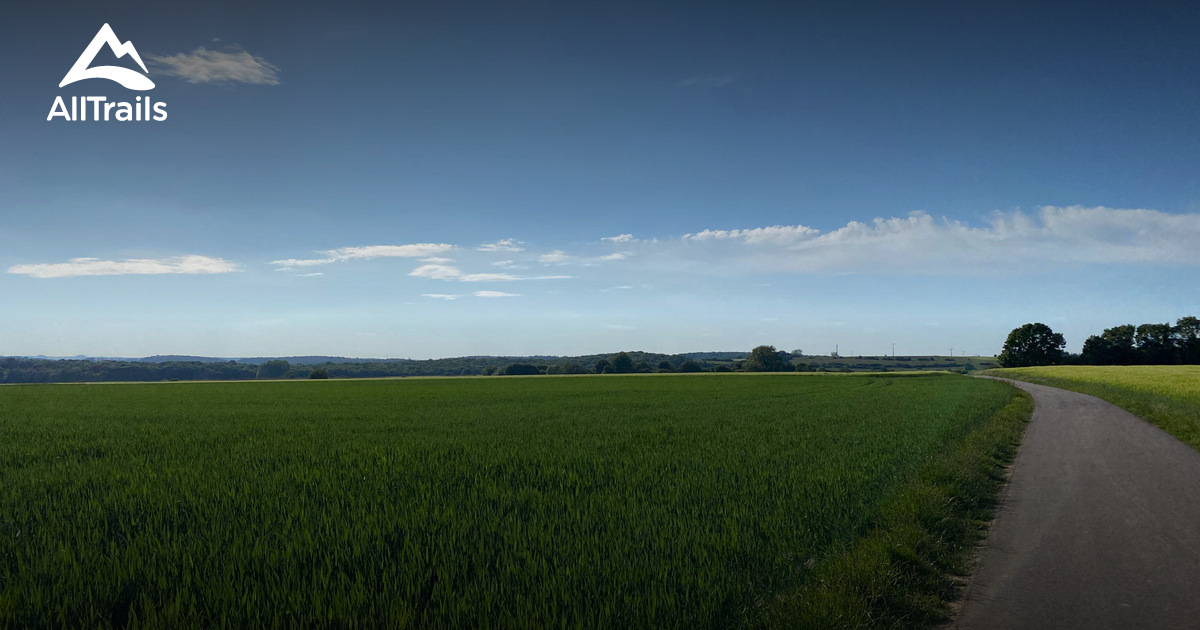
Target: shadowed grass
[[906, 570]]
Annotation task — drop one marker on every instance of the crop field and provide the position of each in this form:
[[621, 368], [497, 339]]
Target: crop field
[[1166, 395], [638, 501]]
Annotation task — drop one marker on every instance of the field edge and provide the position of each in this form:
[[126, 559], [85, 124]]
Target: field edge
[[907, 570], [1175, 416]]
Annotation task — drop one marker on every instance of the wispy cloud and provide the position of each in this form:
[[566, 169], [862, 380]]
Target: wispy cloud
[[620, 238], [559, 257], [502, 245], [449, 272], [612, 256], [555, 257], [441, 296], [131, 266], [778, 234], [921, 244], [213, 66], [495, 294], [416, 250]]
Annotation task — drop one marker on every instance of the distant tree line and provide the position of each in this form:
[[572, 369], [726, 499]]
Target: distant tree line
[[760, 359], [1144, 344]]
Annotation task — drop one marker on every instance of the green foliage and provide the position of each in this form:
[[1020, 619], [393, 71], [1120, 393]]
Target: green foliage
[[521, 369], [319, 373], [689, 366], [622, 363], [275, 368], [764, 359], [1115, 346], [601, 366], [902, 573], [1032, 344], [589, 502]]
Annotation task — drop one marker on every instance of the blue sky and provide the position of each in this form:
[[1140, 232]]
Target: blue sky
[[440, 179]]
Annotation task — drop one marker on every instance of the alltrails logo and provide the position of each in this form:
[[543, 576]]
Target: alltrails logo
[[142, 108]]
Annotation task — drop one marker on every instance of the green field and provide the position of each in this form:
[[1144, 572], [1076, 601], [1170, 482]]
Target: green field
[[1167, 395], [639, 501]]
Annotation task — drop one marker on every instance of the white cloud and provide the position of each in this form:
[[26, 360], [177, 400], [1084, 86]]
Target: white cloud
[[495, 294], [922, 244], [448, 272], [439, 260], [415, 250], [440, 296], [437, 272], [613, 256], [132, 266], [508, 264], [310, 275], [777, 234], [557, 256], [620, 238], [502, 245], [211, 66]]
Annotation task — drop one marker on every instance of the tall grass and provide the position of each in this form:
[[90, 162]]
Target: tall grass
[[615, 502]]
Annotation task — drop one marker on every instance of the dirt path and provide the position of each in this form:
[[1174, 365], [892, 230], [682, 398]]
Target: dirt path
[[1098, 528]]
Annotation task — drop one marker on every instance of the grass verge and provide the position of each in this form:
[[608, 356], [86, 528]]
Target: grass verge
[[907, 570], [1168, 396]]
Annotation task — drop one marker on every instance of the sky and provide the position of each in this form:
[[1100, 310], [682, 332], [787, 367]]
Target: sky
[[419, 180]]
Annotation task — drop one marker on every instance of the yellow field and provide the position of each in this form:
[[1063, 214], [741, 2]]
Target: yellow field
[[1166, 395]]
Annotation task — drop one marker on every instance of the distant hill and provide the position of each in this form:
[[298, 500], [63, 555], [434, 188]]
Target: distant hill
[[308, 360]]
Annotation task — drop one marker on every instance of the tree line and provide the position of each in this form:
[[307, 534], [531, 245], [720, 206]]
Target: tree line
[[760, 359], [23, 370], [1127, 344]]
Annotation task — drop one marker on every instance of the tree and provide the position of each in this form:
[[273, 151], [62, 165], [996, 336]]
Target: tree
[[1186, 335], [319, 373], [764, 359], [274, 368], [1112, 347], [602, 365], [1154, 343], [664, 366], [489, 370], [1032, 344], [689, 366], [641, 366], [521, 369], [622, 363]]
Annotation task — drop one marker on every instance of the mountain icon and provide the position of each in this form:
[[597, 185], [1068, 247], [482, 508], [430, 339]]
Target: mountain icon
[[126, 77]]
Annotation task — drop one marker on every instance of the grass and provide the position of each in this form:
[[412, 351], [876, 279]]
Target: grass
[[1166, 395], [570, 502]]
